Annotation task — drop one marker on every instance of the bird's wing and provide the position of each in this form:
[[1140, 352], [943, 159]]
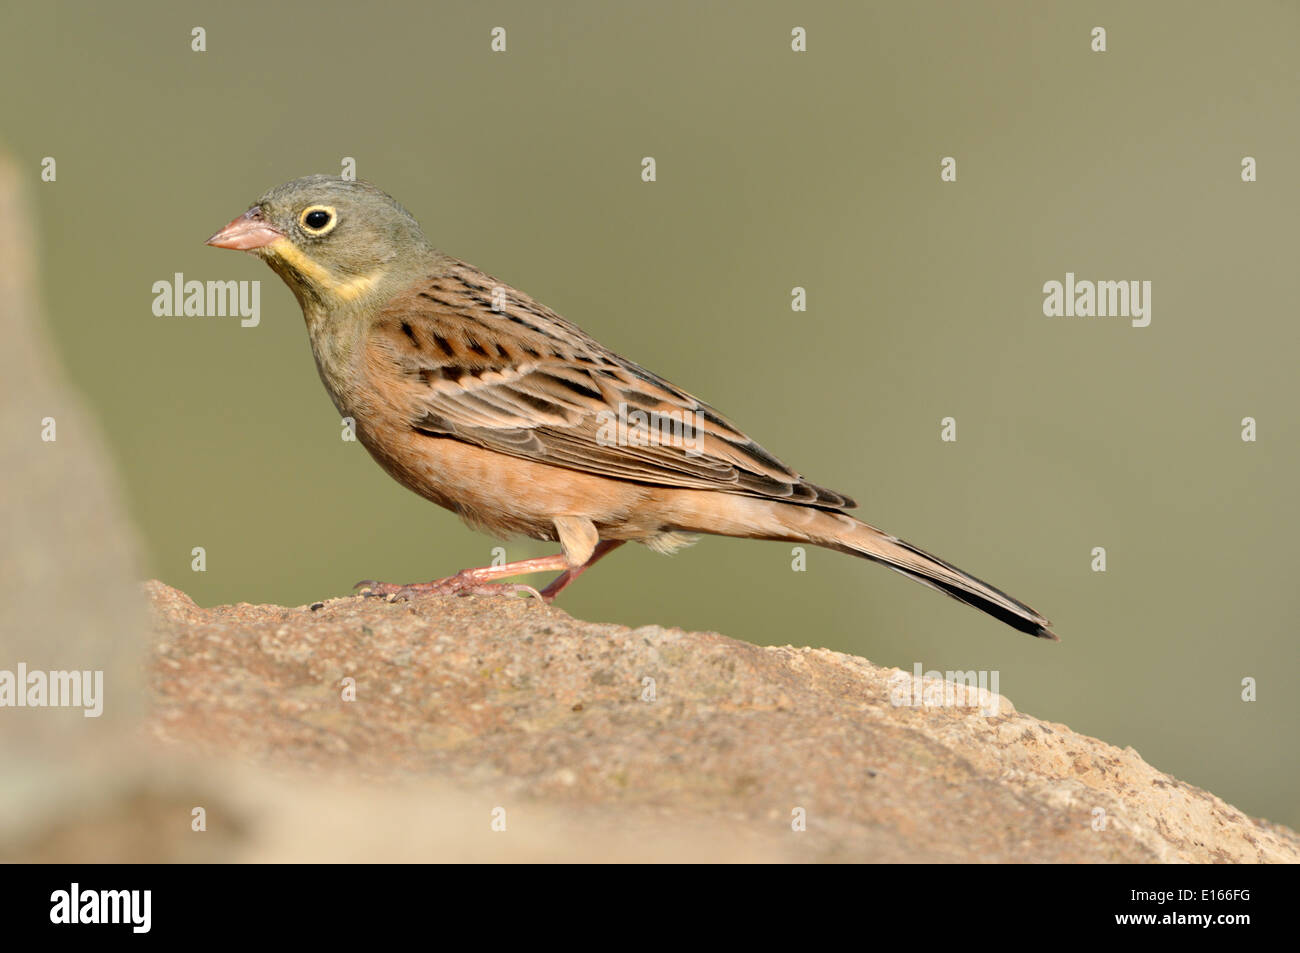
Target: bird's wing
[[468, 357]]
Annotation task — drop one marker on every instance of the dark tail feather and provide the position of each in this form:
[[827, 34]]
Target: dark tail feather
[[1022, 618], [859, 539]]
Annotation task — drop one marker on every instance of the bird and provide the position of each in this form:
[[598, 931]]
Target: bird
[[483, 400]]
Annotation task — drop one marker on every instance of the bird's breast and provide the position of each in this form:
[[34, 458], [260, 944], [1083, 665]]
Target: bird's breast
[[336, 346]]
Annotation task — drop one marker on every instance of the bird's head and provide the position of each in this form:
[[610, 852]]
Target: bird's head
[[332, 240]]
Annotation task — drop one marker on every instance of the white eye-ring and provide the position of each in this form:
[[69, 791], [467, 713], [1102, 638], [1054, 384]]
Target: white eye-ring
[[317, 220]]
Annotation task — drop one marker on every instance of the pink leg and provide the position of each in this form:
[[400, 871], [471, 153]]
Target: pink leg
[[474, 581], [564, 579]]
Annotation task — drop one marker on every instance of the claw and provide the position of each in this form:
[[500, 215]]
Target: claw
[[464, 583]]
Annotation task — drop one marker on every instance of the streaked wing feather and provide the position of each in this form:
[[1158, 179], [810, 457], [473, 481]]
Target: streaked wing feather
[[481, 362]]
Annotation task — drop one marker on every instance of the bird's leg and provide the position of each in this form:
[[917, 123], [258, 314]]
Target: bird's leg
[[562, 581], [475, 581]]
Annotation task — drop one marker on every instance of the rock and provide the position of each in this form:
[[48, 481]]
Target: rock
[[702, 745], [69, 597]]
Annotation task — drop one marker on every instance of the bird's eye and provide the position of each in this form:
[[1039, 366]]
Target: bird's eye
[[318, 219]]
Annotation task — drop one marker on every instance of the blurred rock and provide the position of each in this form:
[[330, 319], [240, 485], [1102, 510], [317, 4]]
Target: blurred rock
[[68, 596], [466, 705]]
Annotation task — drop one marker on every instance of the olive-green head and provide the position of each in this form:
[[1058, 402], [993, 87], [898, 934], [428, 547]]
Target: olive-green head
[[332, 240]]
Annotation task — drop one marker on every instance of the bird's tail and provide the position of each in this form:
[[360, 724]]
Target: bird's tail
[[841, 532], [756, 518]]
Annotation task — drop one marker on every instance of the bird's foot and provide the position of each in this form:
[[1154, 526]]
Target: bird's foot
[[467, 582]]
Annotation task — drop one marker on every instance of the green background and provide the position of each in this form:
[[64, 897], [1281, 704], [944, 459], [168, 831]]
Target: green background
[[775, 169]]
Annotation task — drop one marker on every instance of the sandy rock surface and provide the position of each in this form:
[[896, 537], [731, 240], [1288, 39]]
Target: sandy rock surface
[[602, 739]]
